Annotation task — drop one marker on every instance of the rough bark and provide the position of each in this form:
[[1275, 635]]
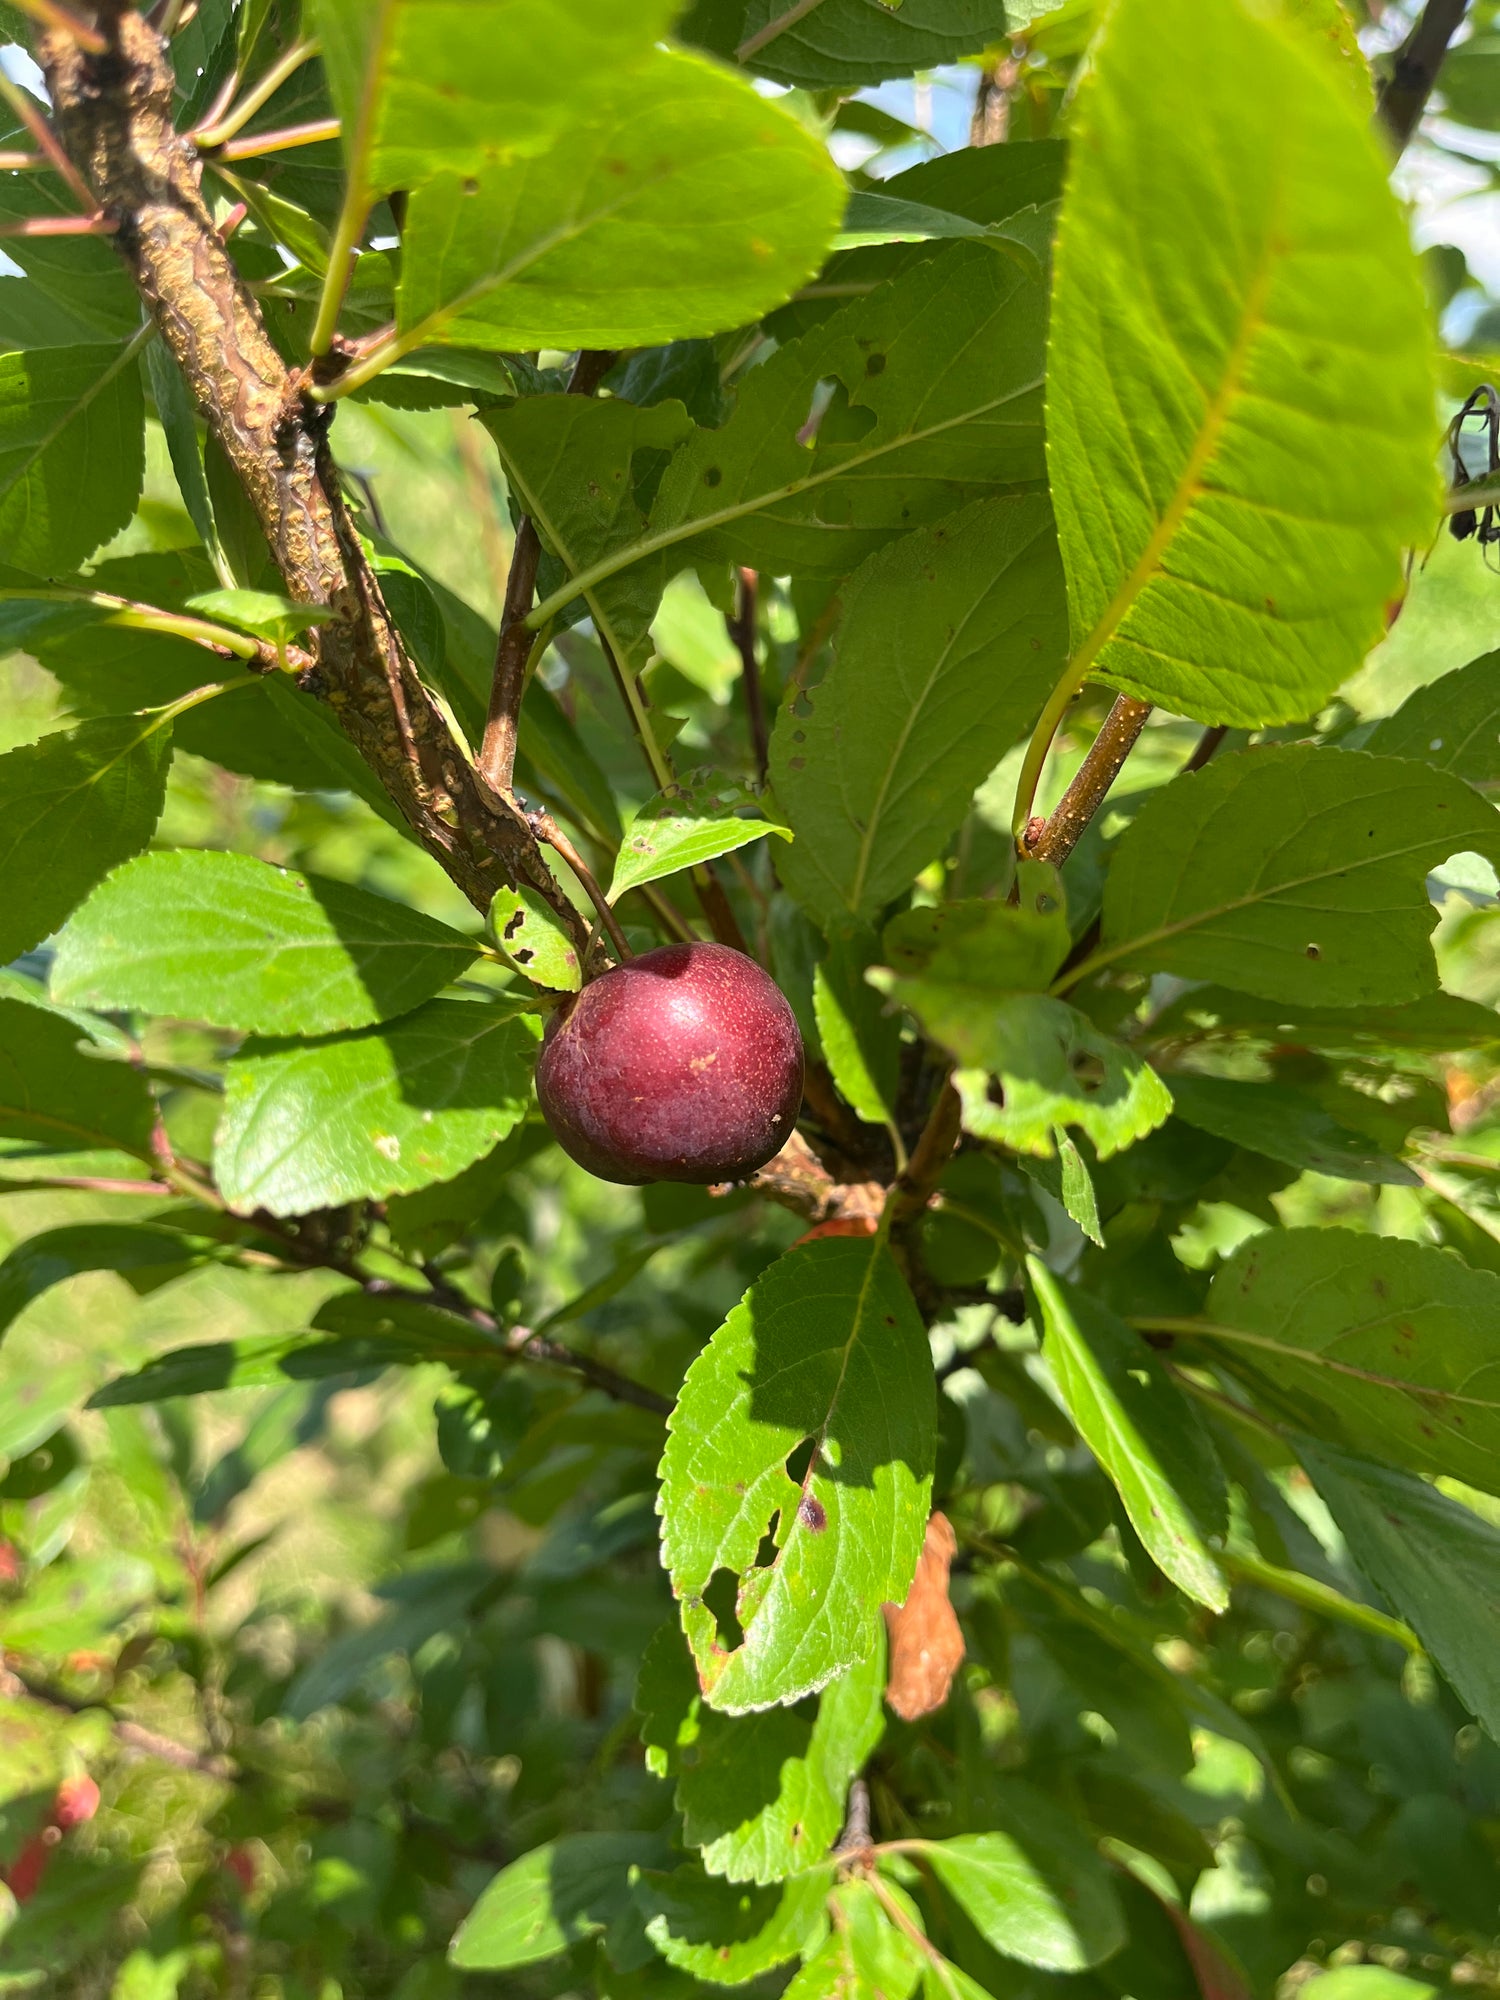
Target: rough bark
[[113, 112]]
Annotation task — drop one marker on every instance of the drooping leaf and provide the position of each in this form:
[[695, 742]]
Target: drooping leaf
[[682, 205], [73, 806], [762, 1796], [1435, 1561], [60, 1099], [1035, 1889], [825, 1360], [569, 1889], [1294, 873], [1239, 400], [850, 43], [1143, 1431], [693, 822], [860, 1036], [1453, 724], [72, 452], [1284, 1124], [726, 1933], [381, 1111], [229, 940], [39, 1262], [1051, 1065], [1378, 1344], [949, 642], [865, 1956]]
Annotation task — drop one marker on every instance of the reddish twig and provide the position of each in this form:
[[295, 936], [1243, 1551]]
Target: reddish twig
[[36, 122], [1055, 838]]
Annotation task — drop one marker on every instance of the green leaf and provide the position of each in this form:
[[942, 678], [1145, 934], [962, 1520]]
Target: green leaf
[[683, 204], [1436, 1563], [1053, 1066], [72, 452], [1286, 1125], [527, 931], [827, 1347], [849, 43], [76, 1605], [865, 1957], [724, 1933], [45, 1260], [1437, 1024], [423, 1603], [78, 283], [540, 1905], [1068, 1180], [936, 402], [262, 613], [72, 807], [1295, 873], [225, 939], [1452, 724], [949, 642], [63, 1100], [761, 1796], [1367, 1982], [175, 413], [1143, 1431], [1378, 1344], [860, 1036], [1034, 1889], [383, 1111], [688, 824], [1239, 413], [423, 88]]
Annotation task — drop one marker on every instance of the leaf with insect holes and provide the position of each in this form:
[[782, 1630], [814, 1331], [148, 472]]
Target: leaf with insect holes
[[696, 821], [762, 1795], [949, 642], [1143, 1431], [1380, 1345], [807, 1424], [73, 806], [72, 452], [1292, 872], [527, 931], [1239, 395], [229, 940], [677, 203], [308, 1124]]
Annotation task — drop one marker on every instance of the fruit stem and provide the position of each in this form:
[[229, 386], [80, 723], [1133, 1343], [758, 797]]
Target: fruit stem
[[546, 829]]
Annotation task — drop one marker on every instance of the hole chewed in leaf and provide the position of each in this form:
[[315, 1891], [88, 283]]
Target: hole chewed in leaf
[[721, 1598]]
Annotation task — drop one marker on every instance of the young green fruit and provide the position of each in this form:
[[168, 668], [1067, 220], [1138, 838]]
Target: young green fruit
[[682, 1065]]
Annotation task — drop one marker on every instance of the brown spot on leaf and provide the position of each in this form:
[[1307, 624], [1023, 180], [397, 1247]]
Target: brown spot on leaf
[[810, 1513]]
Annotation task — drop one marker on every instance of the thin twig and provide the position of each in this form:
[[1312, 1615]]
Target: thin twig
[[1404, 94], [1055, 838], [23, 163], [497, 754], [913, 1189], [281, 141], [1208, 743], [34, 118], [552, 1354], [546, 829], [52, 16], [742, 632], [209, 137], [135, 1734], [61, 225]]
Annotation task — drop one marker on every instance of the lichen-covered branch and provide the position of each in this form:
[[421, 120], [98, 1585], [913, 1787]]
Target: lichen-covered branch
[[113, 113]]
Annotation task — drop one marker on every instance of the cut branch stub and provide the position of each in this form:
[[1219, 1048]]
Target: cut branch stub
[[113, 112]]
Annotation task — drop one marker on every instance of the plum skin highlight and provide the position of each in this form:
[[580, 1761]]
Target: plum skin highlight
[[684, 1064]]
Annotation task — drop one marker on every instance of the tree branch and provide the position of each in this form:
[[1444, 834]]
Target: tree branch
[[114, 116], [497, 755], [1404, 94], [552, 1354], [934, 1149], [1055, 838]]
